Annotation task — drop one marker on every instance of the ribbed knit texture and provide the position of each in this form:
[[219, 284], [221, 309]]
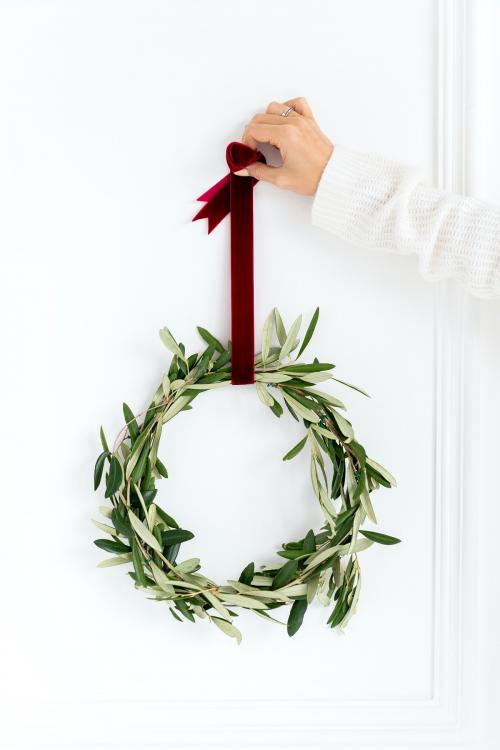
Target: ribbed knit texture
[[380, 204]]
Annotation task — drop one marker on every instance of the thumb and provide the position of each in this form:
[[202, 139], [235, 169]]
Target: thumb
[[261, 171]]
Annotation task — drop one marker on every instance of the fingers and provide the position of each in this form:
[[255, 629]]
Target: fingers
[[267, 119], [264, 133], [262, 172], [301, 106], [273, 118], [261, 119], [276, 108]]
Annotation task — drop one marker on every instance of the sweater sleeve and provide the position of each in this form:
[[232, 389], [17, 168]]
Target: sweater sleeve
[[379, 204]]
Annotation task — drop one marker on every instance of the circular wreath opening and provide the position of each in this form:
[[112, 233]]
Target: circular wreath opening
[[322, 565]]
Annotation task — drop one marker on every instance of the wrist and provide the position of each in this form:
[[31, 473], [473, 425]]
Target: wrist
[[325, 162]]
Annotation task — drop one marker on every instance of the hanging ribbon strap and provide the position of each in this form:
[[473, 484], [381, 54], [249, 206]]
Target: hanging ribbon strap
[[234, 195]]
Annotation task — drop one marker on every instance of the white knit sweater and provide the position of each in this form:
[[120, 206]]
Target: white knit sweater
[[383, 205]]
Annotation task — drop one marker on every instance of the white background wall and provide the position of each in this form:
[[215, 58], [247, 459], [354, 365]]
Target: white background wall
[[115, 116]]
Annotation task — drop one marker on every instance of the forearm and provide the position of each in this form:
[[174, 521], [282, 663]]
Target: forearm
[[382, 205]]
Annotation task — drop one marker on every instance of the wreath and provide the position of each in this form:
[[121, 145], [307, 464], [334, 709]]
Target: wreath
[[322, 565]]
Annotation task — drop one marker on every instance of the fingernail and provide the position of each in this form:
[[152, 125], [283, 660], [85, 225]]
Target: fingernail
[[243, 173]]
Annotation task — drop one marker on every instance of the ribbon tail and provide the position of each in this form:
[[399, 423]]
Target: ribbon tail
[[218, 204], [242, 283]]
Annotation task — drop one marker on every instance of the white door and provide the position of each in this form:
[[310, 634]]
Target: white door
[[115, 116]]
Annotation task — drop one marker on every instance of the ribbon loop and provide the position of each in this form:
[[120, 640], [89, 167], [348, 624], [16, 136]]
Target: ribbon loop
[[234, 195], [239, 156]]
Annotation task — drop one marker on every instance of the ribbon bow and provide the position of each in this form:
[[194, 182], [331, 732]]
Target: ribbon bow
[[234, 195]]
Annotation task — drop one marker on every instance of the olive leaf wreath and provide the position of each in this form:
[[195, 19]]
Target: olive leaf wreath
[[321, 565]]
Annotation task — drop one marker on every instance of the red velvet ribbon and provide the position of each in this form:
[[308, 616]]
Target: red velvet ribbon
[[234, 195]]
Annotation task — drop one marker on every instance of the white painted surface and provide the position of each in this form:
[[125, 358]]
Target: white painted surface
[[115, 116]]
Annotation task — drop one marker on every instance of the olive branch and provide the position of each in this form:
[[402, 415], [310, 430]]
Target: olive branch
[[322, 565]]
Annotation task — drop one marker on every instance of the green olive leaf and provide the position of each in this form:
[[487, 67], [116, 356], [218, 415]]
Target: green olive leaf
[[302, 411], [375, 536], [103, 441], [291, 338], [227, 628], [138, 564], [116, 560], [99, 466], [295, 450], [130, 421], [310, 330], [280, 328], [171, 343], [143, 532], [176, 536], [210, 339], [264, 394], [247, 574], [109, 545], [285, 574], [267, 333], [115, 476], [296, 616]]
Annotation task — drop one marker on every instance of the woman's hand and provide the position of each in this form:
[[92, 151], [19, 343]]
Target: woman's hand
[[305, 150]]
